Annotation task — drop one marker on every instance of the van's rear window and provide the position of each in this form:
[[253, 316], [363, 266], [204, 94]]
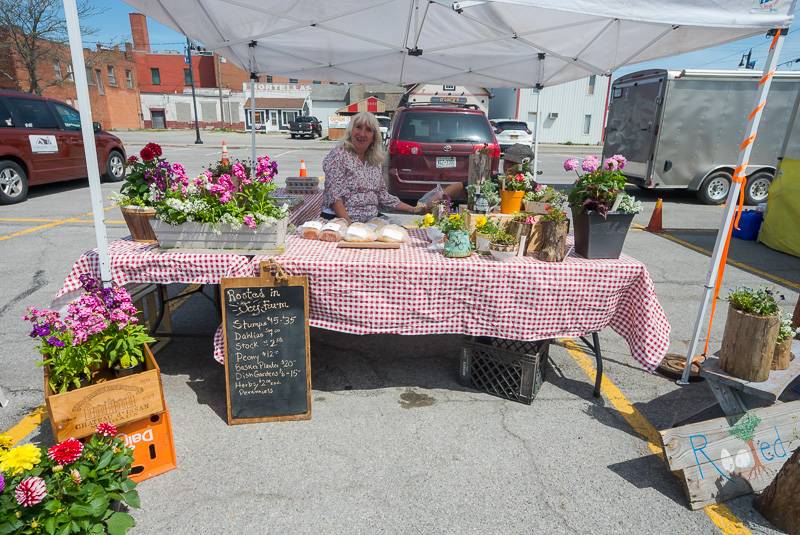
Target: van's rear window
[[442, 127]]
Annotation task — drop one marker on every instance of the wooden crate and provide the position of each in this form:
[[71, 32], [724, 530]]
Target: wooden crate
[[533, 245], [76, 413]]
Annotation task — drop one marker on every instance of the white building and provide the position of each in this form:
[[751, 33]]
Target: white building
[[276, 105], [176, 110], [572, 112]]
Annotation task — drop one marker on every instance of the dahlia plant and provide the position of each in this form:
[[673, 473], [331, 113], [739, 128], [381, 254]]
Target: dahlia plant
[[100, 329], [72, 487], [140, 174]]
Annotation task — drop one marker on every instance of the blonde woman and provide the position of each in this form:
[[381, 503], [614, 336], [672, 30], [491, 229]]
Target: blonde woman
[[354, 184]]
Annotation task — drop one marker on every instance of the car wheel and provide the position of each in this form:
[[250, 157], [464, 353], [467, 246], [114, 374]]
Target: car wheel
[[13, 183], [715, 188], [294, 136], [757, 188], [115, 167]]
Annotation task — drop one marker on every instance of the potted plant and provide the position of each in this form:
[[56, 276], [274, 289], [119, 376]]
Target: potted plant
[[135, 197], [539, 197], [553, 228], [782, 356], [431, 221], [512, 191], [751, 332], [601, 211], [504, 246], [458, 244], [72, 487], [485, 229], [482, 197], [96, 361], [229, 206]]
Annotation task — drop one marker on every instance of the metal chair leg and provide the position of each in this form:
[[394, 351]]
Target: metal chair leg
[[599, 357]]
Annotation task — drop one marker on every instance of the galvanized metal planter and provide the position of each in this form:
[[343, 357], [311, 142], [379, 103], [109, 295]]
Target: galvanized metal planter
[[204, 237]]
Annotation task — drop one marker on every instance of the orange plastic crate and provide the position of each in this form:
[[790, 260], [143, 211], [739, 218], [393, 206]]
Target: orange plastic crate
[[153, 447]]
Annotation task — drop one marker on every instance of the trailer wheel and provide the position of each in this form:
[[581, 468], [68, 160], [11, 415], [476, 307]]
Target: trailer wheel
[[757, 188], [715, 188]]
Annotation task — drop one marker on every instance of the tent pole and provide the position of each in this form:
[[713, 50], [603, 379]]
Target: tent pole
[[539, 86], [739, 178], [87, 131], [253, 104]]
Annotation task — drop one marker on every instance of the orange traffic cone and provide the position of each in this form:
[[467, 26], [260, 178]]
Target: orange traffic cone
[[655, 219], [303, 171], [224, 160]]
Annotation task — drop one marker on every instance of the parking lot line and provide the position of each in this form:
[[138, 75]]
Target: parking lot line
[[720, 514], [28, 424], [26, 219], [50, 224]]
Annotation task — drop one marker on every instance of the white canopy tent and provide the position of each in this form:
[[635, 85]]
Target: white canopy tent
[[494, 43]]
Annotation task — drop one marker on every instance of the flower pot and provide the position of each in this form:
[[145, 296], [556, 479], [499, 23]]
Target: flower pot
[[119, 371], [748, 345], [205, 237], [138, 220], [782, 355], [553, 240], [510, 201], [482, 242], [599, 237], [457, 244], [503, 252], [434, 234], [536, 207]]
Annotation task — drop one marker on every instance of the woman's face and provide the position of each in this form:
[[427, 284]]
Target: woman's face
[[362, 137]]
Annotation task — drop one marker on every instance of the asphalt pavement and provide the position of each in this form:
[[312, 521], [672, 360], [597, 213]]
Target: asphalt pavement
[[395, 444]]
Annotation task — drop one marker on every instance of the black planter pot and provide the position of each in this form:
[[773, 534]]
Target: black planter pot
[[599, 237], [124, 372]]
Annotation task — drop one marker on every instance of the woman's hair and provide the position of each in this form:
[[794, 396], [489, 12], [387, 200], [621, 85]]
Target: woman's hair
[[375, 154]]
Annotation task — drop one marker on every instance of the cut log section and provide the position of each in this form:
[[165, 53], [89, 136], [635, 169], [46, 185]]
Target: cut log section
[[748, 345], [779, 502]]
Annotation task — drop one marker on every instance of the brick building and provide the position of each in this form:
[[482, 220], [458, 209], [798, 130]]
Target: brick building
[[111, 73]]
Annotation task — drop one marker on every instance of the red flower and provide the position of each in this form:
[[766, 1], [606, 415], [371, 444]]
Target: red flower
[[30, 491], [147, 153], [155, 147], [66, 452], [133, 159], [106, 429], [520, 178]]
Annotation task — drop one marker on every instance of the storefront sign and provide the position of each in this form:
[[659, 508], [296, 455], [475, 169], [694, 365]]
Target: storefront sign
[[43, 144], [338, 121]]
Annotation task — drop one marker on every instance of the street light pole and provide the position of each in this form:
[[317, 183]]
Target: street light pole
[[197, 141]]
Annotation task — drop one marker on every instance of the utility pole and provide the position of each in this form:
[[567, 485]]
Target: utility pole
[[218, 74], [197, 141]]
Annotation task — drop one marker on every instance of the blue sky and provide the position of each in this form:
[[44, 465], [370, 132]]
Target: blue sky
[[114, 28]]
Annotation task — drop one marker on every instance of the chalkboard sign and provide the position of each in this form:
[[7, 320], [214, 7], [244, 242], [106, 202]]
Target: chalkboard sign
[[267, 358]]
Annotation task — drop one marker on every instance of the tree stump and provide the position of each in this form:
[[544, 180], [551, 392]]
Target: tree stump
[[554, 241], [783, 355], [779, 503], [748, 345], [796, 316]]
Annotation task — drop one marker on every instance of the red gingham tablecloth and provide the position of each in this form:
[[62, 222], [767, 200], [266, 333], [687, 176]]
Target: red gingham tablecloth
[[416, 291]]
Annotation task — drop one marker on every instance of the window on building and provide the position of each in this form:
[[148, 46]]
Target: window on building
[[33, 113], [155, 76], [269, 78], [100, 88], [70, 74], [112, 75], [57, 70], [293, 80], [587, 124], [187, 77], [90, 76], [316, 82], [129, 78], [590, 87], [70, 117]]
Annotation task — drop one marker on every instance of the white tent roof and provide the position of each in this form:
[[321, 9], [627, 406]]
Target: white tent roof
[[482, 43]]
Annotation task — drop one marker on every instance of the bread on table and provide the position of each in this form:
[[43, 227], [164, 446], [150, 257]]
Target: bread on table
[[377, 223], [333, 230], [310, 229], [360, 232], [392, 234]]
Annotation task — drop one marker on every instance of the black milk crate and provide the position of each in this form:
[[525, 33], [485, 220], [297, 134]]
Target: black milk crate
[[508, 369], [302, 184]]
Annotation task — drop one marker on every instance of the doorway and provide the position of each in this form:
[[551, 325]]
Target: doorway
[[158, 119]]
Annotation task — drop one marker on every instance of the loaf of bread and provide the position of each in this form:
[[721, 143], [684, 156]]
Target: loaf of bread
[[392, 234], [360, 232], [333, 230], [377, 223], [310, 230]]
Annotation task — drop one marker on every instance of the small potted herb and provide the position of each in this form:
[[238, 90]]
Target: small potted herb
[[458, 244], [783, 347], [601, 211], [485, 228], [504, 246], [751, 332]]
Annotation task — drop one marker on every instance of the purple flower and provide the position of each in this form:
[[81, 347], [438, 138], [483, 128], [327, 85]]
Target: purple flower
[[590, 164], [53, 341], [250, 221], [89, 282], [611, 164], [571, 164], [2, 483], [621, 161], [40, 330]]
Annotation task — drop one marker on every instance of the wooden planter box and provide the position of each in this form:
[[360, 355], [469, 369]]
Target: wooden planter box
[[138, 218], [748, 345], [201, 237], [76, 413], [782, 356]]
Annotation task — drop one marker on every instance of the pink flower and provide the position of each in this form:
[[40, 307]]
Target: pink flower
[[611, 164], [519, 177], [75, 476], [250, 221], [590, 164], [106, 429], [30, 491], [571, 164], [66, 452], [621, 161], [538, 188], [530, 220]]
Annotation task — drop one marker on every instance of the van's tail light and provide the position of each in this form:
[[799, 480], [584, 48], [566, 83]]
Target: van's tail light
[[406, 148]]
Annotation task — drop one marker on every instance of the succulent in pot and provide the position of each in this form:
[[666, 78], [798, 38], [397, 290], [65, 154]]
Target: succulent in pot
[[503, 246]]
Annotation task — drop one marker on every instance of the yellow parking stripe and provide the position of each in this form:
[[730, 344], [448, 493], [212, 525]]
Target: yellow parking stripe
[[28, 424], [25, 219], [51, 224], [720, 515]]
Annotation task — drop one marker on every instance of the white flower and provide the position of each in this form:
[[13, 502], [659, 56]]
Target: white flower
[[629, 205]]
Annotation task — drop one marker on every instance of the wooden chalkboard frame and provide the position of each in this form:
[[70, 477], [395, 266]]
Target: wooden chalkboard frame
[[266, 280]]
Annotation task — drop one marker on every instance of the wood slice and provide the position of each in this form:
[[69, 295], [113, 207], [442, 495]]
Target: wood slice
[[554, 241], [782, 356], [779, 502], [368, 245], [748, 345]]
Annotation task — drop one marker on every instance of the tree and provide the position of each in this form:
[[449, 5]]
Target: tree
[[34, 29]]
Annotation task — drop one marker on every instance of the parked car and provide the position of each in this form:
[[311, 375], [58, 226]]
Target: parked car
[[430, 144], [41, 142], [511, 131], [305, 125], [384, 122]]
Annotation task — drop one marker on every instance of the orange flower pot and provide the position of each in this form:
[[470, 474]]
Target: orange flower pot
[[510, 201]]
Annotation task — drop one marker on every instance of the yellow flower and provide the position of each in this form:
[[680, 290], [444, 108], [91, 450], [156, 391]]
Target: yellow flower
[[17, 460], [428, 220], [455, 218], [480, 221], [6, 442]]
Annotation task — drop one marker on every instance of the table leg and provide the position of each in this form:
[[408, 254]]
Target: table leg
[[598, 355]]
